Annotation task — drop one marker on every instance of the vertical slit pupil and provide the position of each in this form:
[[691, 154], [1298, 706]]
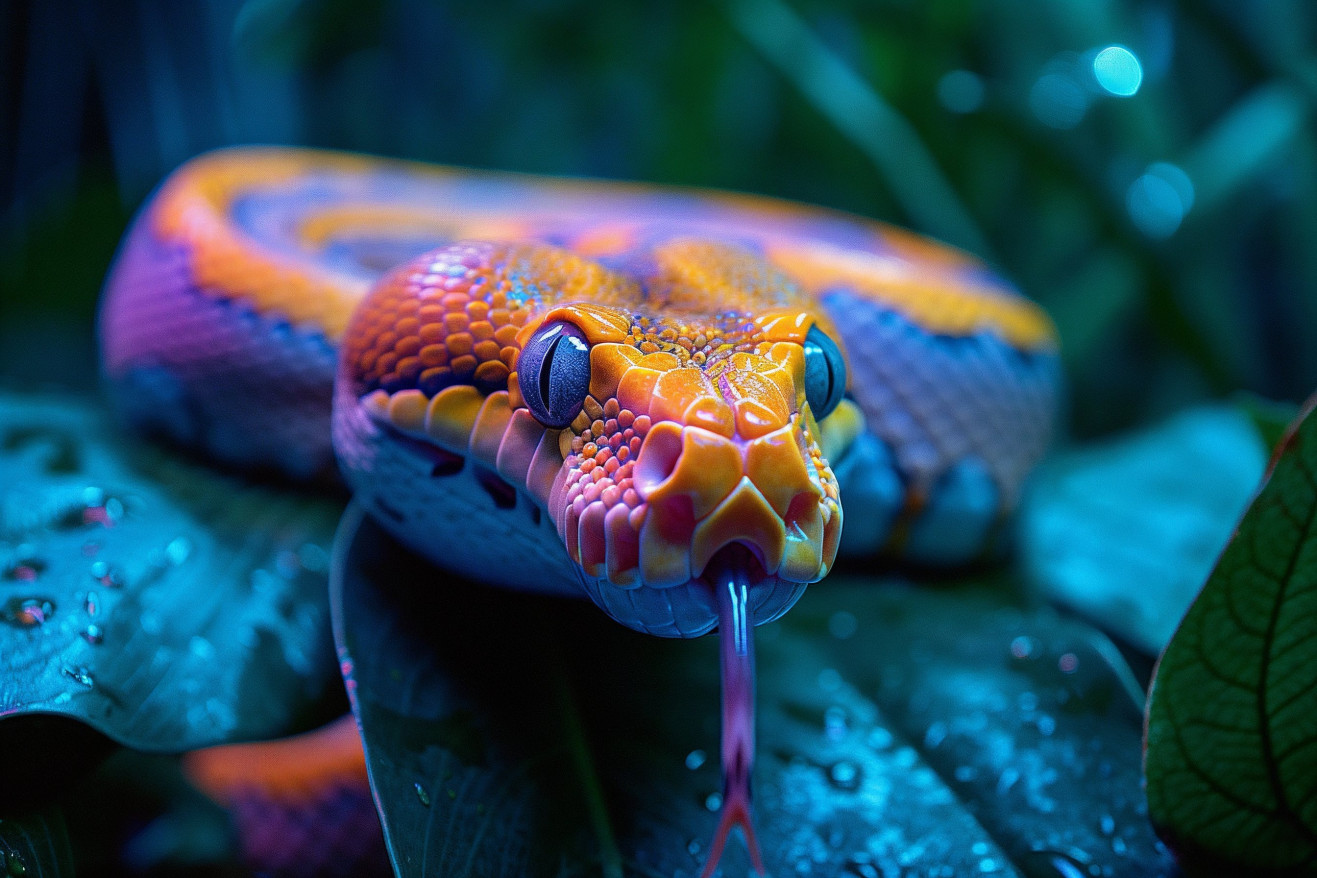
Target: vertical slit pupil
[[546, 374]]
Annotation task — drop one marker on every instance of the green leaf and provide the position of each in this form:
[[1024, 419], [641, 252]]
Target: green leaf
[[948, 731], [35, 846], [1232, 718], [149, 599], [1126, 532]]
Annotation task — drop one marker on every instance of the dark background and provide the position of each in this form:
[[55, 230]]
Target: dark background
[[1172, 234]]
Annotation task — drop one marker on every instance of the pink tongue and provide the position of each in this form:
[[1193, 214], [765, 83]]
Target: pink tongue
[[735, 634]]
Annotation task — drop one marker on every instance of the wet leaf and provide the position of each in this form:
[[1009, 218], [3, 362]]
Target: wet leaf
[[950, 731], [1232, 719], [1126, 533], [35, 846], [152, 600]]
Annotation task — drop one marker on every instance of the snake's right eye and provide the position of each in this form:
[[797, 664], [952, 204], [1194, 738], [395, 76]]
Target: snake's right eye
[[554, 373]]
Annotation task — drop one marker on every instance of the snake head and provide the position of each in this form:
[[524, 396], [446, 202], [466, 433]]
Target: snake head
[[686, 434]]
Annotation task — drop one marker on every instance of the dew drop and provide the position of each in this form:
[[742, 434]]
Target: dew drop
[[879, 739], [935, 735], [79, 675], [844, 775], [713, 802], [965, 773], [1023, 647], [979, 848], [835, 724], [695, 758], [1107, 824], [861, 865], [1067, 863], [693, 847], [27, 612], [26, 569], [105, 574], [1068, 663], [421, 794], [177, 551], [93, 634]]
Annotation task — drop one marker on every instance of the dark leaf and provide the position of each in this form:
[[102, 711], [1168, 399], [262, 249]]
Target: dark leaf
[[154, 601], [35, 846], [948, 730], [1232, 720], [1126, 533]]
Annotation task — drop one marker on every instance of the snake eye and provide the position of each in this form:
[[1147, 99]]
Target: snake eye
[[825, 373], [554, 373]]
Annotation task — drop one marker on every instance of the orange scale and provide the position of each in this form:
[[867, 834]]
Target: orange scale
[[408, 368], [478, 310], [497, 314], [433, 355], [409, 346], [407, 326], [464, 366], [386, 362], [456, 321], [492, 372], [508, 356], [459, 344], [431, 333], [487, 350], [483, 331], [623, 453], [505, 335]]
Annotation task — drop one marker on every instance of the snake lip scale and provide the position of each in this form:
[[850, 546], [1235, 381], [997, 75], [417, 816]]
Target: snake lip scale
[[655, 398]]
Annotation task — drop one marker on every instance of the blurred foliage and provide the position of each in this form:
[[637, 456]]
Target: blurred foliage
[[1167, 232]]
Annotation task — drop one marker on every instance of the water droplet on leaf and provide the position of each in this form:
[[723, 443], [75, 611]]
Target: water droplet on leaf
[[27, 612], [844, 775], [79, 675], [93, 634], [695, 758]]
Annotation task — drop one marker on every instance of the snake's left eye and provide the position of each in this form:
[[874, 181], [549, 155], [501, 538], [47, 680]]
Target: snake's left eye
[[554, 373], [825, 373]]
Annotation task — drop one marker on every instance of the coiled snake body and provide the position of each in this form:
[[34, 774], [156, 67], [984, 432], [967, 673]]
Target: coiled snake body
[[661, 399]]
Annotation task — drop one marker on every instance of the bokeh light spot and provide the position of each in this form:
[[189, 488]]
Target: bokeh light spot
[[1159, 199], [960, 91], [1118, 71], [1058, 100]]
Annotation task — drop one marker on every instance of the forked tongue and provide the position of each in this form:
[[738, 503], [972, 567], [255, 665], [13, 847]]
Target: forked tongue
[[729, 576]]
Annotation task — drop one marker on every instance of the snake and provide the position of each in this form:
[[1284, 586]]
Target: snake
[[658, 399]]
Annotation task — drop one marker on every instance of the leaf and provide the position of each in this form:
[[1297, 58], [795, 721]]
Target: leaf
[[1125, 533], [151, 600], [948, 731], [35, 846], [1232, 718]]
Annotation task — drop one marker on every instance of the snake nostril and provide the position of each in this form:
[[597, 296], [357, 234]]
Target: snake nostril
[[657, 459]]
